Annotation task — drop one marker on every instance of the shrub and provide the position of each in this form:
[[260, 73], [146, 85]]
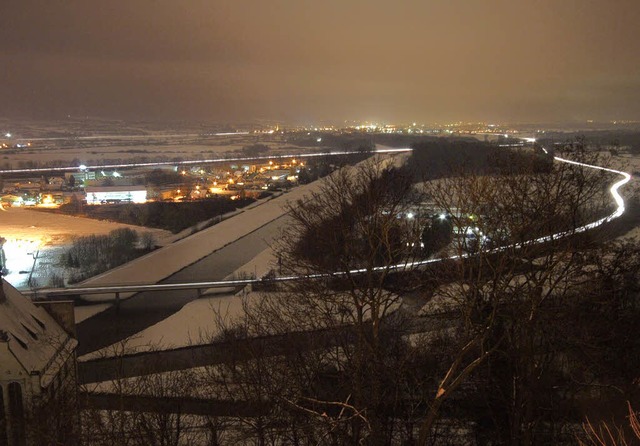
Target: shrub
[[94, 254]]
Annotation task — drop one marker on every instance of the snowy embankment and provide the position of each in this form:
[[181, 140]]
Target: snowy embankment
[[162, 263], [86, 311], [170, 259], [200, 320], [200, 316], [197, 322], [631, 164]]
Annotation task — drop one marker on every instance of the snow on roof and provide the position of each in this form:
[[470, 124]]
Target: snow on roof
[[34, 338], [90, 189]]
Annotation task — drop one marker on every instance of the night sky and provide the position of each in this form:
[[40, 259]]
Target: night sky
[[306, 61]]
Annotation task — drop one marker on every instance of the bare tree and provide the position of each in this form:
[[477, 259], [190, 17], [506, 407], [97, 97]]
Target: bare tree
[[343, 368], [604, 434], [335, 356], [140, 410], [511, 272]]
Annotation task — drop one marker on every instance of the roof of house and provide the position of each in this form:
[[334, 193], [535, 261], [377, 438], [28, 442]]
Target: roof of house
[[35, 339]]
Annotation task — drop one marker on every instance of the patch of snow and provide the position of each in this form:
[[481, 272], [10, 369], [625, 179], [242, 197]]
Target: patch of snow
[[84, 312], [196, 321]]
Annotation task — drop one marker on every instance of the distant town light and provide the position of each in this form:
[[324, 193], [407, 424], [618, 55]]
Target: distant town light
[[82, 167], [8, 135]]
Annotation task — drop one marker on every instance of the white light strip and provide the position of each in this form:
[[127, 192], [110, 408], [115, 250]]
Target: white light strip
[[410, 265], [613, 190], [196, 162]]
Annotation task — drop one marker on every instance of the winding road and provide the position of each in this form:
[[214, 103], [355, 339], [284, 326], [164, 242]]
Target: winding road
[[146, 308]]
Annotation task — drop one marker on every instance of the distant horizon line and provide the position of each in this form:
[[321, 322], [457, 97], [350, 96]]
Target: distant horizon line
[[342, 123]]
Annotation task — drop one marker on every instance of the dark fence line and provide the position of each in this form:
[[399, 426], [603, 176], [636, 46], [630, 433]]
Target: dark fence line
[[175, 405], [225, 351]]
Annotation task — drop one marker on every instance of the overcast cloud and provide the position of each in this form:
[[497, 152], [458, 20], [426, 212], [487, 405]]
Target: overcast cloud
[[430, 60]]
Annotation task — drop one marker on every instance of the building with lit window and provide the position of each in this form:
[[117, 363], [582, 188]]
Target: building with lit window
[[37, 370]]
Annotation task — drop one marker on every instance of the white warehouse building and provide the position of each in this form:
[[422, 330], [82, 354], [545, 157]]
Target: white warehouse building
[[116, 194]]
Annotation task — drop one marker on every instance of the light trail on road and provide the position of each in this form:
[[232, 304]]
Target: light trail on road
[[613, 190], [196, 162]]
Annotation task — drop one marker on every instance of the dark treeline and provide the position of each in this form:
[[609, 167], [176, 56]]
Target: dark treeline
[[94, 254], [576, 359], [322, 166], [165, 215], [160, 177], [171, 216], [607, 139], [438, 158], [408, 140], [255, 150], [335, 140]]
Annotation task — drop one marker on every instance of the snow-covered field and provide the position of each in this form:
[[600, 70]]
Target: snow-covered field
[[44, 235], [48, 229], [94, 155], [99, 151]]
